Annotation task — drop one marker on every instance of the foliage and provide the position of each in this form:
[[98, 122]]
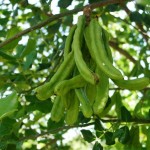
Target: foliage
[[32, 59]]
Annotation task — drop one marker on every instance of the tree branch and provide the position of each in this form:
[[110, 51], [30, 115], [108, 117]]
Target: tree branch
[[134, 120], [117, 88], [53, 131], [58, 16], [122, 51]]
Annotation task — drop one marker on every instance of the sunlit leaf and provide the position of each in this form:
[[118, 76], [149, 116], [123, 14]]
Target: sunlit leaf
[[8, 105], [11, 32], [145, 2], [29, 60], [22, 86], [31, 45], [109, 105], [141, 110]]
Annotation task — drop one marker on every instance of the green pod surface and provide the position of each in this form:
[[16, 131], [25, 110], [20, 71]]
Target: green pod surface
[[58, 109], [85, 104], [102, 93], [91, 92], [87, 74], [101, 49], [66, 99], [69, 41], [105, 37], [73, 110], [66, 85], [46, 90], [135, 84], [93, 38]]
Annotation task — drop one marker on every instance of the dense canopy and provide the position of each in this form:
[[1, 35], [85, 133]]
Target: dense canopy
[[33, 39]]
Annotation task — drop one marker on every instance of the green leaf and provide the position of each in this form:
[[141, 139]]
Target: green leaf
[[97, 146], [94, 1], [141, 110], [87, 135], [118, 102], [6, 126], [2, 33], [54, 125], [146, 19], [10, 33], [68, 20], [64, 4], [82, 119], [98, 127], [29, 60], [14, 1], [148, 138], [125, 114], [7, 57], [134, 142], [8, 105], [112, 8], [53, 27], [145, 2], [31, 46], [109, 138], [137, 70], [35, 104], [123, 134], [30, 132], [109, 105], [3, 21], [21, 86], [135, 17], [3, 145], [125, 137], [11, 146], [19, 49]]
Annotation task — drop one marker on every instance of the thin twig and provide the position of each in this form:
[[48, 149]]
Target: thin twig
[[134, 120], [53, 131], [58, 16]]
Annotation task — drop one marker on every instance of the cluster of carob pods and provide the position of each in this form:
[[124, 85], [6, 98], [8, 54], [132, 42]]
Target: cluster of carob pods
[[81, 82]]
